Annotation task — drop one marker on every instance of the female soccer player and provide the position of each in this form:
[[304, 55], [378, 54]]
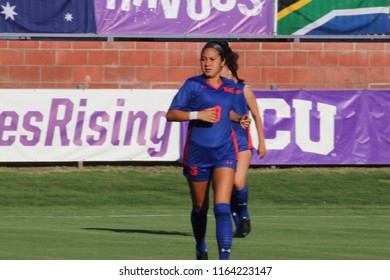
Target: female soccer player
[[210, 154], [243, 104]]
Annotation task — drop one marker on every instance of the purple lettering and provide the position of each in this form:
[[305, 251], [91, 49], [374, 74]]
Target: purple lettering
[[29, 127], [163, 139], [8, 122], [94, 126], [56, 121], [143, 118], [79, 124], [117, 124]]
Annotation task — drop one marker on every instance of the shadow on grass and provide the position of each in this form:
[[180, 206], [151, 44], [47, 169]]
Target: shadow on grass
[[157, 232]]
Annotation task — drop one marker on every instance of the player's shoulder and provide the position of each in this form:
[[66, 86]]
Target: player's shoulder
[[195, 82], [196, 79], [228, 82]]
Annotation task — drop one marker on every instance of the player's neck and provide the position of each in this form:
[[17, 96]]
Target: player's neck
[[215, 81]]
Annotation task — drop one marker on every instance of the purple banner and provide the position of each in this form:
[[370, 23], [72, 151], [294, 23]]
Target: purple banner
[[177, 17], [324, 127]]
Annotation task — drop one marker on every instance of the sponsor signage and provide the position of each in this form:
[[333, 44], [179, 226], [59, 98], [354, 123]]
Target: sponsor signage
[[302, 127]]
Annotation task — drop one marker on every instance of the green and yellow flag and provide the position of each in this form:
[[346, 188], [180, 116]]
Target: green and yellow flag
[[333, 17]]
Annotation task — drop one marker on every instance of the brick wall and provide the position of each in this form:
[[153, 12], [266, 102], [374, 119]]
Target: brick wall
[[67, 64]]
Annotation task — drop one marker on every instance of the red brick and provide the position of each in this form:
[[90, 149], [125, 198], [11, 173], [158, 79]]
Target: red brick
[[159, 58], [56, 74], [276, 75], [370, 46], [376, 75], [103, 85], [276, 46], [180, 74], [119, 45], [361, 75], [338, 46], [12, 85], [148, 74], [87, 45], [134, 58], [250, 74], [24, 74], [150, 45], [380, 86], [166, 86], [103, 58], [306, 46], [40, 57], [387, 75], [261, 85], [119, 74], [357, 59], [162, 64], [175, 58], [307, 75], [4, 74], [377, 59], [71, 57], [55, 44], [297, 58], [191, 58], [262, 58], [337, 75], [185, 46], [23, 44], [323, 58], [245, 46], [40, 85], [87, 75], [12, 57], [136, 85]]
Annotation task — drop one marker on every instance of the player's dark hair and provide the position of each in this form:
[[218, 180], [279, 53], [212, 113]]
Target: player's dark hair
[[227, 53], [217, 46], [231, 60]]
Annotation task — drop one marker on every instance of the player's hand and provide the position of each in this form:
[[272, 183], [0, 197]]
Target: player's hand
[[261, 150], [208, 115], [245, 121]]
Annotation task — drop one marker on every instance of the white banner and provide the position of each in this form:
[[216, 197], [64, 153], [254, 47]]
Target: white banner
[[87, 125]]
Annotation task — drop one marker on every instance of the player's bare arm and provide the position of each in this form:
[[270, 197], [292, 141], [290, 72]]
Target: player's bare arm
[[253, 107]]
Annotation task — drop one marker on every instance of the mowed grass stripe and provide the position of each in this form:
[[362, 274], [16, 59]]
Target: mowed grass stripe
[[141, 213]]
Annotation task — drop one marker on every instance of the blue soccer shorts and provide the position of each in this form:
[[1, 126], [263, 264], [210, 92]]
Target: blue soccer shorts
[[200, 161]]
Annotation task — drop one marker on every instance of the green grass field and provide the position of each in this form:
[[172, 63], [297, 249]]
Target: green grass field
[[142, 213]]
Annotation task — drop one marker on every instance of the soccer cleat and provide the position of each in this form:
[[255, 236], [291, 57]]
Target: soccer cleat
[[244, 228], [201, 255]]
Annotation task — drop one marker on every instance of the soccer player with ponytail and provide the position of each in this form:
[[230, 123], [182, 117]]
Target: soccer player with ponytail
[[243, 104], [210, 154]]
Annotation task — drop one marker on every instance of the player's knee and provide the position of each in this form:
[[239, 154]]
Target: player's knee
[[239, 183], [200, 207]]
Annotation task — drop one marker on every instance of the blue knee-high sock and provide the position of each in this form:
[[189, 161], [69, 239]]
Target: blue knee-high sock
[[224, 230], [242, 202], [199, 223]]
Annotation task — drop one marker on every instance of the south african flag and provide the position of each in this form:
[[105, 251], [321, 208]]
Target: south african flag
[[333, 17]]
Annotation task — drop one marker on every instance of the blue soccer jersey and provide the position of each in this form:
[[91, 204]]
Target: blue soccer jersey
[[208, 144], [240, 106]]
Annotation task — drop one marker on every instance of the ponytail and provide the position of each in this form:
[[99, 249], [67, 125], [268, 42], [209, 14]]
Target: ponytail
[[231, 60]]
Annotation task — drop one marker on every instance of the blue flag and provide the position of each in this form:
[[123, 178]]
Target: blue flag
[[47, 16]]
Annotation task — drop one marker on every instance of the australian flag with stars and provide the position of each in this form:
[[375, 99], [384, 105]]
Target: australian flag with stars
[[47, 16]]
